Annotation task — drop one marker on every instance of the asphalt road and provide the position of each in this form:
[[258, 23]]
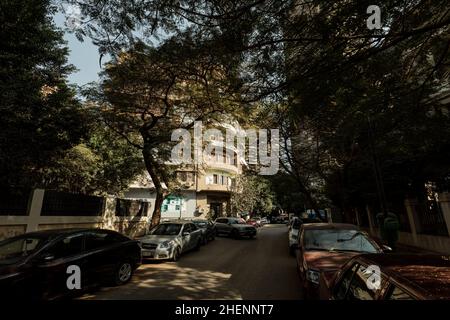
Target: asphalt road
[[223, 269]]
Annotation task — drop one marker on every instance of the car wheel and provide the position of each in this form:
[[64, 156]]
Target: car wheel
[[291, 251], [176, 254], [123, 273]]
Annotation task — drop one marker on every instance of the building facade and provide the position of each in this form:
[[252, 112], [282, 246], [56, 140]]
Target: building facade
[[205, 189]]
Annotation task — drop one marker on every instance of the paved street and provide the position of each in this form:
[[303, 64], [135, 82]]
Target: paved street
[[223, 269]]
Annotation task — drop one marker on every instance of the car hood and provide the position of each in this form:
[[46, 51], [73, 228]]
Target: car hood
[[241, 226], [150, 238], [327, 261]]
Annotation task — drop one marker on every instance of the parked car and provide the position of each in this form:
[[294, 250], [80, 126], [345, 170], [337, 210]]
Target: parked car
[[35, 265], [402, 277], [293, 232], [234, 227], [254, 223], [169, 240], [208, 229], [324, 247], [264, 221]]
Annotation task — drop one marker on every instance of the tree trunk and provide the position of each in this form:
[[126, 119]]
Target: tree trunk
[[152, 168]]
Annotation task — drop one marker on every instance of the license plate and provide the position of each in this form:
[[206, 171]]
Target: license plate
[[148, 253]]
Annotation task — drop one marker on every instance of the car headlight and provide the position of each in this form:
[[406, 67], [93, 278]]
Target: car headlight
[[166, 244], [313, 276]]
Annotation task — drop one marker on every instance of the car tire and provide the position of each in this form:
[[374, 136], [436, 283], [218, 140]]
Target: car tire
[[176, 254], [123, 273], [291, 251]]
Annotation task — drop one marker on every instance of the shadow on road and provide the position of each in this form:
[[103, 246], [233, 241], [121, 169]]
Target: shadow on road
[[223, 269]]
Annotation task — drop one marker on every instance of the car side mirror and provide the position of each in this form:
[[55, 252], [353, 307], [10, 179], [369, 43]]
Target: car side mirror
[[386, 248]]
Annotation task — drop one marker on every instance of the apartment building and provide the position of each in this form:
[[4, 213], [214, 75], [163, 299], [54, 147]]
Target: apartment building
[[205, 189]]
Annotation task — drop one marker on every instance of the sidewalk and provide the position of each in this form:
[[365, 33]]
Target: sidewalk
[[403, 248]]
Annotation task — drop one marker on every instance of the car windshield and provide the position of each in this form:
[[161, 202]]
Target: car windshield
[[20, 247], [166, 229], [338, 240], [238, 221]]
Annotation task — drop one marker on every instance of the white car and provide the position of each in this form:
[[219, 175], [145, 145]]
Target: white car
[[169, 240], [294, 229]]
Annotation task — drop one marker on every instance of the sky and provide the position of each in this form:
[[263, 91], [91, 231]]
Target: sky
[[83, 55]]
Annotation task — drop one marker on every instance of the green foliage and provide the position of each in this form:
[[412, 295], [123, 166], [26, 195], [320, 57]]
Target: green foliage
[[41, 118], [252, 193], [104, 164]]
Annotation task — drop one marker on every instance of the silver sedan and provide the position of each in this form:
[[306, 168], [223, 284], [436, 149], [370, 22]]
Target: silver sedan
[[169, 240]]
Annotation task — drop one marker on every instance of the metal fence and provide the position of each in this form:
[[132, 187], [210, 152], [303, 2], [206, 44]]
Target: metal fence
[[431, 219], [14, 202], [67, 204]]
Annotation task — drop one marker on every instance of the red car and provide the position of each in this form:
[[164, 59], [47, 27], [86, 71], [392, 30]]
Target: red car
[[324, 247], [400, 277], [254, 223]]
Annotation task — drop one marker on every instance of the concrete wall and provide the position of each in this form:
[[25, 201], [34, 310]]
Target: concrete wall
[[432, 243], [33, 221]]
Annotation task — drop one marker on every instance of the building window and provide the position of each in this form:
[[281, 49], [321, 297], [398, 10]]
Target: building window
[[165, 207], [177, 207], [235, 159], [215, 179]]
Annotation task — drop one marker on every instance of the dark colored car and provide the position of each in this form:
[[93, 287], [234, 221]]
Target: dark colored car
[[234, 227], [324, 247], [208, 229], [401, 277], [35, 265]]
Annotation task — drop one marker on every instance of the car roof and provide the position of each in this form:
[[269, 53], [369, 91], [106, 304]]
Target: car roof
[[324, 225], [176, 222], [54, 233], [58, 231], [428, 274]]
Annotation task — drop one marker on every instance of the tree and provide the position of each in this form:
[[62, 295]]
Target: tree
[[102, 164], [362, 96], [252, 194], [41, 117], [148, 93]]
